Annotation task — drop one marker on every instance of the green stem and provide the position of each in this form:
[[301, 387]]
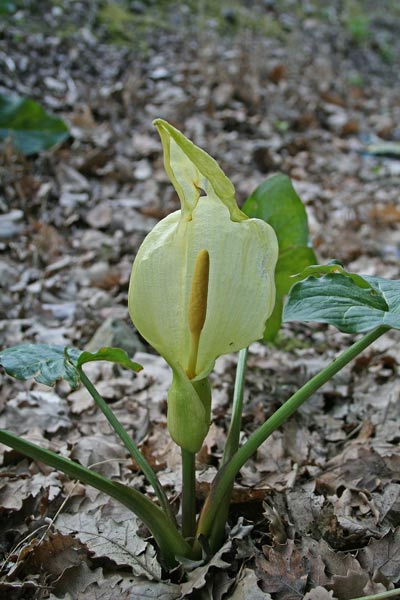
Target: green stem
[[231, 446], [129, 444], [226, 476], [232, 440], [188, 494], [168, 538], [381, 596]]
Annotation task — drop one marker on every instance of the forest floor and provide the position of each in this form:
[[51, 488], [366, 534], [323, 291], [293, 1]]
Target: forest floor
[[264, 87]]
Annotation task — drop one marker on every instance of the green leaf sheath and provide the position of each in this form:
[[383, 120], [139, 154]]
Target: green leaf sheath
[[276, 202], [30, 128], [339, 300], [228, 472], [167, 536]]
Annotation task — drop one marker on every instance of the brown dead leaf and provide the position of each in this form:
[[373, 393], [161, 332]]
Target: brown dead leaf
[[336, 563], [277, 73], [247, 588], [112, 532], [319, 593], [360, 467], [14, 589], [388, 503], [386, 214], [332, 97], [101, 452], [100, 216], [283, 571], [15, 491], [80, 401], [38, 408], [82, 117], [47, 242], [198, 577], [84, 583], [350, 585], [304, 508], [54, 555], [383, 556], [272, 466], [143, 590], [159, 450]]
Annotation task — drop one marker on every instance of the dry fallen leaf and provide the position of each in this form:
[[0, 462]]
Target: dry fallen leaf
[[115, 538], [383, 556], [319, 593], [247, 588], [283, 570]]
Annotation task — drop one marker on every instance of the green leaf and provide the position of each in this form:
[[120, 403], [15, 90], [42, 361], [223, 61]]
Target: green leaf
[[276, 202], [44, 363], [390, 290], [115, 355], [353, 304], [7, 7], [29, 126], [333, 267], [47, 364]]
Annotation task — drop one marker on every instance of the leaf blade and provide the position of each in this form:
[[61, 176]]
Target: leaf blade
[[29, 126], [47, 363], [115, 355], [276, 202], [343, 301], [44, 363]]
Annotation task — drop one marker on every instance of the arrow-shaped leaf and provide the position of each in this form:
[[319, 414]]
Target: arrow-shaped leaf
[[48, 364], [352, 303], [44, 363], [29, 126]]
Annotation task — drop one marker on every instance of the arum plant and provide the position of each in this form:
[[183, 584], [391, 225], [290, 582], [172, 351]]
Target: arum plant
[[208, 280], [192, 283]]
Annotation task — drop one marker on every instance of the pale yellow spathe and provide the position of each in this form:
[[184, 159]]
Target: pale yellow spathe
[[242, 255], [241, 290]]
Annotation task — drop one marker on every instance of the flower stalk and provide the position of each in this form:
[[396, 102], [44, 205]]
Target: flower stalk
[[188, 495]]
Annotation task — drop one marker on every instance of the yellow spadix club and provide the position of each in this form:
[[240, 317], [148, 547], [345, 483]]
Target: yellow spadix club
[[197, 307], [202, 283]]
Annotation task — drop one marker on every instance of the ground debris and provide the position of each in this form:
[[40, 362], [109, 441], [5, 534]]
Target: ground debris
[[307, 92]]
